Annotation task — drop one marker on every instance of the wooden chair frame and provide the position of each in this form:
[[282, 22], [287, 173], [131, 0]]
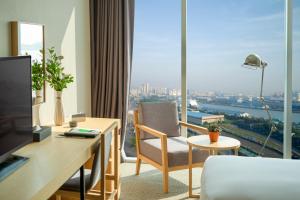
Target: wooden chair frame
[[96, 194], [164, 168]]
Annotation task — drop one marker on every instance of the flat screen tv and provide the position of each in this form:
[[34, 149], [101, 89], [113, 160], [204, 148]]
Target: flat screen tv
[[15, 104]]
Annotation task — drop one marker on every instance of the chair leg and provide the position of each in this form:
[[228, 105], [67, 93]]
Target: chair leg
[[166, 180], [102, 196], [138, 165]]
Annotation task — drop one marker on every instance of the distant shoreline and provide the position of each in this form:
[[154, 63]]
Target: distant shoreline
[[255, 108], [232, 110]]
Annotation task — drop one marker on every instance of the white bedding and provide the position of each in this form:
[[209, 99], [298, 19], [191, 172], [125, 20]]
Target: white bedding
[[248, 178]]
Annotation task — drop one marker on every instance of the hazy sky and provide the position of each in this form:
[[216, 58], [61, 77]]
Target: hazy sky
[[221, 33]]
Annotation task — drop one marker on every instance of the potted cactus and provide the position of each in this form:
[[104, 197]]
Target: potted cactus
[[214, 130]]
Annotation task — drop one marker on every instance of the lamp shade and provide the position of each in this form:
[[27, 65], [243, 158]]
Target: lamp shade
[[254, 61]]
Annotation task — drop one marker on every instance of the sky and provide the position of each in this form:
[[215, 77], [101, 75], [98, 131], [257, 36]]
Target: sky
[[220, 34]]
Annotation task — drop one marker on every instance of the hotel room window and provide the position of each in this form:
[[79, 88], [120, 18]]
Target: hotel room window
[[156, 58], [219, 40], [296, 81]]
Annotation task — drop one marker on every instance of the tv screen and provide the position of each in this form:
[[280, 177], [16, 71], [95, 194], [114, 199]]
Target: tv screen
[[15, 104]]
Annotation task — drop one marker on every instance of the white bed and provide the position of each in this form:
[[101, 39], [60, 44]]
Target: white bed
[[248, 178]]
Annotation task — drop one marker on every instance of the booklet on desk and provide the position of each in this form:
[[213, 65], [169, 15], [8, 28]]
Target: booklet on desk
[[83, 132]]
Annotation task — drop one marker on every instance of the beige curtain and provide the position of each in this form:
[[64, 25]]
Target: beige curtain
[[111, 57]]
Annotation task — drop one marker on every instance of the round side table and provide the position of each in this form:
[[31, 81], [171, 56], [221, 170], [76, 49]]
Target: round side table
[[203, 142]]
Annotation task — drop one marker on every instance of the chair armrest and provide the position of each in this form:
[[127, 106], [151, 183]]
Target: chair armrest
[[200, 129], [163, 141], [151, 131]]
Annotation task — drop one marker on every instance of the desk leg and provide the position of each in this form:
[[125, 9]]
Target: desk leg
[[82, 183], [116, 163]]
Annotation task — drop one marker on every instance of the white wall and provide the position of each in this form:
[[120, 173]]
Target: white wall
[[67, 29]]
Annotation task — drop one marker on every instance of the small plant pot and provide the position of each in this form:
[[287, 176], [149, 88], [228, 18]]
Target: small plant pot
[[214, 136]]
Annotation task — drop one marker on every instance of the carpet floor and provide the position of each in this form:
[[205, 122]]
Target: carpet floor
[[148, 185]]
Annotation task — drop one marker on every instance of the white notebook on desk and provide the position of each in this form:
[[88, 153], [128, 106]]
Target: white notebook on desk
[[83, 132]]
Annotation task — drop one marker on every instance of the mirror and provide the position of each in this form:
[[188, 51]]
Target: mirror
[[28, 39]]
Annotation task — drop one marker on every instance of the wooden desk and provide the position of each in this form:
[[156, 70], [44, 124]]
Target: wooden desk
[[52, 162]]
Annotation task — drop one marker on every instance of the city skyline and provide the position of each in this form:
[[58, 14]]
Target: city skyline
[[146, 88], [216, 48]]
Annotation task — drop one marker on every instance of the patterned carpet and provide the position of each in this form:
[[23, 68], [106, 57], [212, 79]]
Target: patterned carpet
[[148, 185]]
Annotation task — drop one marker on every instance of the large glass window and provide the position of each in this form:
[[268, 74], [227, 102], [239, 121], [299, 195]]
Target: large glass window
[[221, 34], [156, 58], [296, 82]]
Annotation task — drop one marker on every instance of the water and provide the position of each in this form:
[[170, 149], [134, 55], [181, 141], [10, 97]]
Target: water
[[253, 112]]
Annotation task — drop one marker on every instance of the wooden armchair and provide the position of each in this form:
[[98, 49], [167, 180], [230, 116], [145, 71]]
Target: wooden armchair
[[159, 142]]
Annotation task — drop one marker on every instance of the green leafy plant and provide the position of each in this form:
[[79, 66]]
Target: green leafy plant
[[214, 127], [55, 72], [38, 75]]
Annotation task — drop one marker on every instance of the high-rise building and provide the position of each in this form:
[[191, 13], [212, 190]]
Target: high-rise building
[[146, 89]]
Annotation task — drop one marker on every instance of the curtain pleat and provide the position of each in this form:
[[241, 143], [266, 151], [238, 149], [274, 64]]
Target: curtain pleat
[[112, 24]]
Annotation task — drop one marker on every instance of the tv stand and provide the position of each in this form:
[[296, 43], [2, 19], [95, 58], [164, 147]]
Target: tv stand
[[10, 165]]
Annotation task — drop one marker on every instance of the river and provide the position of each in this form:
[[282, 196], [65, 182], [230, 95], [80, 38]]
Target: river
[[253, 112]]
